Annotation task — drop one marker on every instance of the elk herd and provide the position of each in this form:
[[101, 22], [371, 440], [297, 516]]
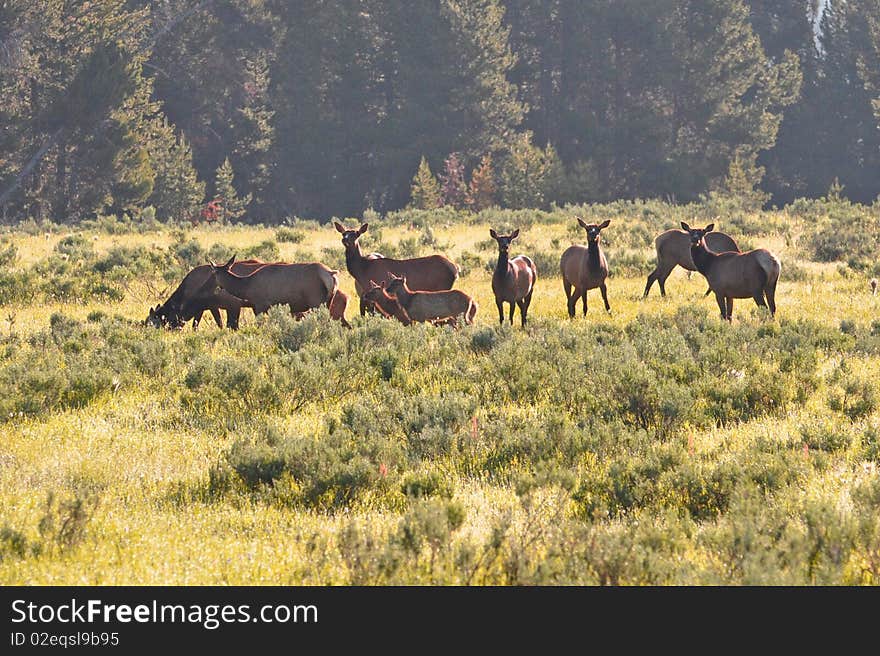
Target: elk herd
[[420, 289]]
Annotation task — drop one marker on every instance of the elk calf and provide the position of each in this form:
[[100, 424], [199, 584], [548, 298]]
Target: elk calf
[[431, 306], [585, 268], [386, 305], [513, 280], [731, 275]]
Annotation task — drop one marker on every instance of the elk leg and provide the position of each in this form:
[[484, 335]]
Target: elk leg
[[215, 312], [759, 298], [197, 317], [771, 297], [500, 305], [232, 317], [365, 306], [584, 298], [572, 300], [729, 308], [651, 278], [661, 280], [604, 290], [721, 304], [524, 308], [512, 310]]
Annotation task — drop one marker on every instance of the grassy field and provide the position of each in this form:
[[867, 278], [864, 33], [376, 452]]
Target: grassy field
[[651, 445]]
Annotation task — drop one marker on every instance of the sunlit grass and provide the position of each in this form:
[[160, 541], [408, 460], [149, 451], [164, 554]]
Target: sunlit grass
[[147, 467]]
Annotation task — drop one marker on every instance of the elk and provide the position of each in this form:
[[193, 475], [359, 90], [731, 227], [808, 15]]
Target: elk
[[195, 294], [388, 306], [674, 249], [731, 275], [300, 286], [337, 308], [585, 268], [431, 273], [513, 280], [431, 306]]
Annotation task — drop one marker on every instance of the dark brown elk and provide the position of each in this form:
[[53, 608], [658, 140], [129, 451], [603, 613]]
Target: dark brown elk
[[302, 287], [513, 280], [431, 273], [432, 306], [195, 294], [674, 249], [585, 268], [386, 305], [731, 275]]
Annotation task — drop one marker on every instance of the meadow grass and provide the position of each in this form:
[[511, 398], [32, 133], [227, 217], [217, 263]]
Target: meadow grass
[[651, 445]]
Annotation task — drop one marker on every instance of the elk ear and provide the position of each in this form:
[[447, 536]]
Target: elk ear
[[514, 234], [363, 228], [604, 224], [339, 227], [581, 221], [493, 234], [710, 227], [685, 226], [213, 264], [229, 263]]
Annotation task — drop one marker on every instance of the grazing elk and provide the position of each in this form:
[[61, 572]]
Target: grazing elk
[[731, 275], [386, 305], [674, 249], [585, 268], [300, 286], [432, 306], [195, 294], [431, 273], [513, 280]]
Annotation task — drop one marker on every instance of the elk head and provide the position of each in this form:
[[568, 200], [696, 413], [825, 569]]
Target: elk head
[[593, 229], [504, 241], [395, 284], [697, 234], [350, 237]]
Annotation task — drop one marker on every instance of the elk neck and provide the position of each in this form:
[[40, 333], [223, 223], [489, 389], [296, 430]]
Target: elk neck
[[232, 284], [354, 260], [404, 296], [594, 262], [702, 257], [502, 267]]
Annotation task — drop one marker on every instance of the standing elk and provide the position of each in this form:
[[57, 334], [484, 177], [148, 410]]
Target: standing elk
[[302, 287], [674, 249], [585, 268], [431, 273], [195, 294], [513, 280], [731, 275], [385, 304], [432, 306]]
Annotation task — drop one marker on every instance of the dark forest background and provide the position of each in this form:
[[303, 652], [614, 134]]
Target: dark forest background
[[327, 108]]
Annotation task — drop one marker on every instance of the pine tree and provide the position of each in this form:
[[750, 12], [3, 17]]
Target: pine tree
[[177, 193], [425, 191], [232, 206], [740, 185], [522, 178], [453, 190], [482, 190]]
